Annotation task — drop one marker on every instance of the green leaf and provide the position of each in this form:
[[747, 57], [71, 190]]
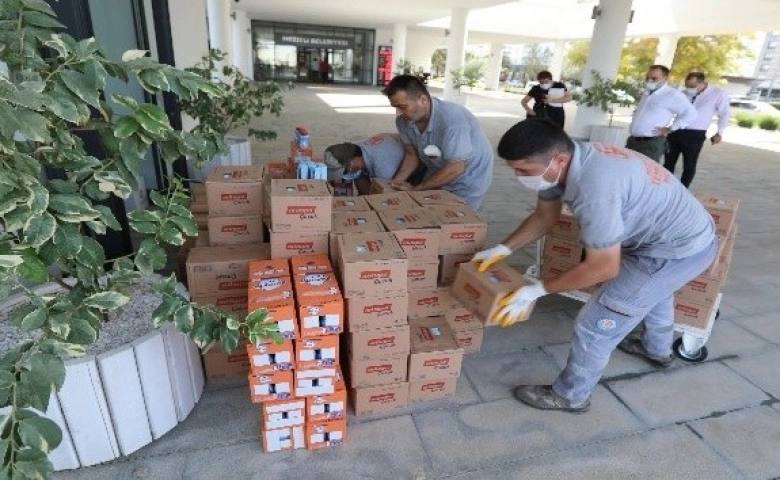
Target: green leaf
[[23, 98], [170, 234], [33, 125], [186, 224], [150, 256], [10, 261], [18, 314], [92, 254], [62, 349], [32, 268], [145, 227], [40, 432], [18, 219], [50, 367], [27, 164], [68, 240], [144, 216], [154, 79], [133, 55], [108, 217], [229, 339], [72, 204], [80, 85], [34, 319], [164, 313], [82, 332], [158, 198], [106, 300], [33, 389], [59, 323], [32, 463], [184, 318], [232, 323], [39, 19], [125, 126], [39, 230], [258, 316], [39, 201], [64, 108], [62, 186], [95, 73]]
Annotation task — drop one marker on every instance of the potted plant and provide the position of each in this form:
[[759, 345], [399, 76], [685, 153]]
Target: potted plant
[[405, 66], [242, 101], [466, 76], [607, 95], [53, 95]]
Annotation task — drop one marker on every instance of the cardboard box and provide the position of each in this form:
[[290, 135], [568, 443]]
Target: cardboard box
[[271, 386], [552, 268], [324, 408], [291, 244], [315, 381], [469, 340], [277, 170], [436, 389], [305, 264], [349, 204], [282, 439], [317, 352], [300, 205], [563, 250], [428, 198], [380, 185], [372, 265], [379, 343], [380, 399], [370, 313], [416, 231], [378, 371], [322, 315], [268, 268], [269, 290], [701, 290], [213, 270], [395, 200], [352, 222], [692, 314], [720, 267], [466, 327], [284, 314], [235, 190], [565, 227], [723, 211], [448, 266], [462, 230], [430, 303], [434, 351], [198, 200], [316, 285], [201, 220], [331, 433], [235, 230], [481, 292], [270, 357], [220, 364], [282, 413], [422, 274], [232, 303]]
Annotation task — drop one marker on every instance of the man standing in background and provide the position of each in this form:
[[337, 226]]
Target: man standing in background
[[661, 111], [709, 102]]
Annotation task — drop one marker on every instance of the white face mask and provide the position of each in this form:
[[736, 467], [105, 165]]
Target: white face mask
[[538, 183], [691, 90], [545, 85], [651, 86]]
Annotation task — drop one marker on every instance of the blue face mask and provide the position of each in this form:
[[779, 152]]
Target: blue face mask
[[351, 177]]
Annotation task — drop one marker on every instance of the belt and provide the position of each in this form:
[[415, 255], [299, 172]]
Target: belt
[[643, 139]]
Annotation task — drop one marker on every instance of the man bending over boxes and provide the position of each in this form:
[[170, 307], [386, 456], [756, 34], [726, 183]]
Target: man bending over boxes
[[645, 237]]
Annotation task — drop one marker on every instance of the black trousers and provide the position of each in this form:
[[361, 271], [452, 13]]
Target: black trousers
[[688, 143]]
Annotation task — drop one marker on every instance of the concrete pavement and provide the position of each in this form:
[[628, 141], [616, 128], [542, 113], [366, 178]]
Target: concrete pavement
[[717, 419]]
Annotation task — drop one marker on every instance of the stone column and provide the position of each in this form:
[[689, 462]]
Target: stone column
[[667, 46], [456, 48], [494, 66], [399, 45], [556, 62]]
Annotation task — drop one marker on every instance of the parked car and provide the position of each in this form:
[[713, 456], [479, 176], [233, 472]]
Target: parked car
[[752, 106]]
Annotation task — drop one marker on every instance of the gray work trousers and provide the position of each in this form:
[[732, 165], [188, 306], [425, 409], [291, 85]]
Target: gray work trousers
[[642, 291]]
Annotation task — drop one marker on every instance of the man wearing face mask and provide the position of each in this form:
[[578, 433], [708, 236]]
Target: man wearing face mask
[[377, 157], [645, 236], [443, 136], [661, 111], [548, 97], [709, 101]]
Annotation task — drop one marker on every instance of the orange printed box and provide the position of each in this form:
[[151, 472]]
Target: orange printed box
[[275, 268], [269, 290], [323, 408], [306, 264], [319, 316], [283, 313], [327, 434], [270, 357], [271, 386], [317, 352]]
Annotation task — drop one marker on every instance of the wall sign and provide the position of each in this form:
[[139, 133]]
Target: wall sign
[[321, 41]]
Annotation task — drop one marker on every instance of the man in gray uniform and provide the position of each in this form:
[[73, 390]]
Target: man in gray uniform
[[645, 237], [445, 137], [377, 157]]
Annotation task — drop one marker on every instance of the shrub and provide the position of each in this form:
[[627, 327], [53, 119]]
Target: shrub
[[768, 122], [776, 105], [745, 120]]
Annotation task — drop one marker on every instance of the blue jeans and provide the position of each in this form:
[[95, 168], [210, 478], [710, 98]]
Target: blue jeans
[[642, 291]]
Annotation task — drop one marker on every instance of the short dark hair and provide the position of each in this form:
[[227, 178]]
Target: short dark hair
[[544, 74], [664, 69], [699, 76], [533, 138], [410, 84]]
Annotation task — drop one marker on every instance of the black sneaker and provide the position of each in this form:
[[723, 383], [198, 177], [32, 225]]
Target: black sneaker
[[634, 346], [544, 397]]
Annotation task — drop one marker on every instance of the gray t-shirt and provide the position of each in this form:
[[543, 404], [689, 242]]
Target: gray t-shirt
[[456, 135], [620, 196], [382, 154]]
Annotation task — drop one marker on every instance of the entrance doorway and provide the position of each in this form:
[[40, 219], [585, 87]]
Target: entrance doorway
[[310, 67]]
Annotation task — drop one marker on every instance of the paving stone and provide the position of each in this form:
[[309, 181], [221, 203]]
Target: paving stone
[[540, 329], [619, 363], [751, 299], [384, 449], [166, 467], [498, 432], [748, 439], [765, 326], [761, 369], [494, 375], [665, 397], [729, 338], [673, 452]]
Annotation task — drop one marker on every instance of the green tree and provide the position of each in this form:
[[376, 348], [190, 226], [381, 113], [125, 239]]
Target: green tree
[[575, 60], [536, 59], [439, 62], [715, 55], [637, 56]]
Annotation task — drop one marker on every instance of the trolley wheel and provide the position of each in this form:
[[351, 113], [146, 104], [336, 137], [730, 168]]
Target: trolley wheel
[[699, 356]]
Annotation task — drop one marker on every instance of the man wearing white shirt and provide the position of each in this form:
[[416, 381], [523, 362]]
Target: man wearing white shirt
[[662, 110], [709, 101]]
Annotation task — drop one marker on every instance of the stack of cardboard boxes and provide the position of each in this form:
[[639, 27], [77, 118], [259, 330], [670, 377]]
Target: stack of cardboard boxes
[[298, 383], [298, 216], [696, 302], [235, 205]]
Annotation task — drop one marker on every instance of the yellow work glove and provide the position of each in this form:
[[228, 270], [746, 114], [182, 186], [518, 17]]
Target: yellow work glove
[[516, 306], [487, 258]]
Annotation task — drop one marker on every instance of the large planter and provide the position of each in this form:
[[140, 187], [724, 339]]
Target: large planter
[[611, 135], [240, 154], [118, 401]]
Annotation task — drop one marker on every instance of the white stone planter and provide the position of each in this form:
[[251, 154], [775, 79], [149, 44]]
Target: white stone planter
[[611, 135], [114, 403], [240, 154]]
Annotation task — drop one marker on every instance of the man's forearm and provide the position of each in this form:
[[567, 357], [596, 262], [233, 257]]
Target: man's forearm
[[443, 177], [407, 168], [584, 275]]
